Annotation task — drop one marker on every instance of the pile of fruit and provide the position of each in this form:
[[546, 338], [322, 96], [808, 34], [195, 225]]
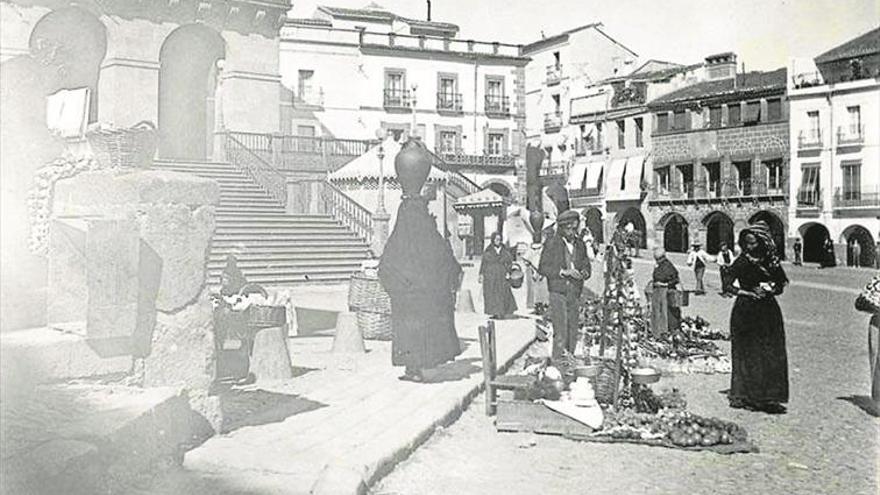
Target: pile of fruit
[[671, 428], [697, 328]]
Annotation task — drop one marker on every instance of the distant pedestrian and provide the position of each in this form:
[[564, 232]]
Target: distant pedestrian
[[496, 263], [869, 302], [724, 260], [564, 262], [665, 310], [798, 249], [759, 378], [828, 259], [857, 254], [698, 258]]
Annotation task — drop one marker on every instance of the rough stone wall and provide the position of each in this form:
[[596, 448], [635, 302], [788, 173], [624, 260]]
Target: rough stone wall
[[758, 140]]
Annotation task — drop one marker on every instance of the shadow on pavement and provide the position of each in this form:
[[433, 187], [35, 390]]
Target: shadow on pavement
[[864, 403], [451, 372], [258, 407]]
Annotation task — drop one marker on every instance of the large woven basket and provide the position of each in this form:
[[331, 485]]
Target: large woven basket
[[365, 293], [374, 326], [133, 147], [605, 381]]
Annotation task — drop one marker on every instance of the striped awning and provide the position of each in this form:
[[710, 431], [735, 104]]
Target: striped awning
[[486, 198]]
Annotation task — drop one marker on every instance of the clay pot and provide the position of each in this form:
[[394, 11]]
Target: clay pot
[[536, 220], [412, 165]]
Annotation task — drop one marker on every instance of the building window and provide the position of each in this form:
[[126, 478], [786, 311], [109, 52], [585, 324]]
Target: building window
[[639, 132], [734, 114], [713, 178], [744, 177], [395, 88], [855, 120], [447, 87], [557, 60], [679, 120], [304, 85], [808, 194], [686, 174], [557, 105], [662, 122], [774, 175], [448, 141], [753, 112], [598, 147], [714, 116], [813, 120], [774, 110], [621, 134], [663, 180], [495, 143], [852, 179]]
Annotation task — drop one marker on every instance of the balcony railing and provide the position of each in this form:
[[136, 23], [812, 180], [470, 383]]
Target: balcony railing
[[559, 168], [497, 105], [299, 153], [806, 80], [554, 74], [397, 98], [463, 160], [850, 135], [552, 121], [581, 146], [866, 197], [590, 192], [449, 102], [809, 198], [810, 139]]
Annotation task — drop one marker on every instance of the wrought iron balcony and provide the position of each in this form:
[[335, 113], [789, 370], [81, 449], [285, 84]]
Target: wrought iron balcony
[[397, 98], [554, 74], [809, 198], [552, 121], [460, 159], [497, 105], [559, 168], [449, 102], [850, 135], [590, 192], [866, 197], [811, 139]]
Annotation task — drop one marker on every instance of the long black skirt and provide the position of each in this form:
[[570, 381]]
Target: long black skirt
[[758, 355], [423, 326]]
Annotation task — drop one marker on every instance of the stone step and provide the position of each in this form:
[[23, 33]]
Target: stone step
[[246, 186], [264, 219], [245, 203], [293, 272], [260, 231], [280, 280], [251, 266], [248, 211], [299, 236], [245, 196], [347, 252], [305, 245]]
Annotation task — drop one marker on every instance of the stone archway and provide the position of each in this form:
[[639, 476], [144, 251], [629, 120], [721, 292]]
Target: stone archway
[[187, 84], [777, 229], [860, 235], [814, 235], [719, 230], [593, 221], [635, 217], [501, 188], [74, 40], [675, 233]]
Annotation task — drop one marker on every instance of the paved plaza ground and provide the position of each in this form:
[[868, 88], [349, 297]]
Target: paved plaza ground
[[826, 444]]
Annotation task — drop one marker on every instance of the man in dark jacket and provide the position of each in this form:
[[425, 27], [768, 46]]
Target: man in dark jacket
[[565, 264]]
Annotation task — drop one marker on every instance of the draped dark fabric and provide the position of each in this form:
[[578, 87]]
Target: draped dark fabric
[[497, 296], [420, 274], [757, 334], [665, 273]]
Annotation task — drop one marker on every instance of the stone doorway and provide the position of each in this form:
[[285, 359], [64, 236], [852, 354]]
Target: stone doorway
[[719, 230], [188, 81], [634, 217], [860, 235], [814, 235], [675, 234]]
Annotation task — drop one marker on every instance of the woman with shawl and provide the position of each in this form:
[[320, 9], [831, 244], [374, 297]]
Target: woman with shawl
[[421, 275], [495, 264], [759, 380]]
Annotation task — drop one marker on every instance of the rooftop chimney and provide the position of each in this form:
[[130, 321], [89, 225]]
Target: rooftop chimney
[[721, 66], [429, 10]]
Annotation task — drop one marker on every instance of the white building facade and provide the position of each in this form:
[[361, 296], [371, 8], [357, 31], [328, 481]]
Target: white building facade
[[835, 150]]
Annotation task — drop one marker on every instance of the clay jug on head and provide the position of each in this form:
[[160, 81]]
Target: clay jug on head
[[536, 220], [412, 165]]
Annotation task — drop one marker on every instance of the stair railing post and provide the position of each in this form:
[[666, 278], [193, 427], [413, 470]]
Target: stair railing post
[[323, 142]]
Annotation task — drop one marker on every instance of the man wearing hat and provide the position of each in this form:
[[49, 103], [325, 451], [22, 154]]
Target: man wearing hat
[[699, 258], [565, 264]]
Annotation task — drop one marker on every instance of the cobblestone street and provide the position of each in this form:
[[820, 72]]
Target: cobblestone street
[[825, 444]]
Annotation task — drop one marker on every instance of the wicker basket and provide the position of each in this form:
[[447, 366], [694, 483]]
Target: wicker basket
[[605, 382], [267, 316], [133, 147], [365, 293], [374, 326]]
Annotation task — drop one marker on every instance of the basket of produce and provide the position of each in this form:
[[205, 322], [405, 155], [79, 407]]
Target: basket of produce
[[644, 376], [365, 293], [605, 381], [133, 147], [374, 326]]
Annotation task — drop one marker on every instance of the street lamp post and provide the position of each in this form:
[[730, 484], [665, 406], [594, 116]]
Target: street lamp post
[[380, 208], [414, 88], [381, 217]]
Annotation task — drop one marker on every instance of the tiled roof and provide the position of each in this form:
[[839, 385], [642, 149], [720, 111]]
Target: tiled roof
[[308, 21], [380, 14], [558, 37], [750, 82], [441, 26], [865, 44]]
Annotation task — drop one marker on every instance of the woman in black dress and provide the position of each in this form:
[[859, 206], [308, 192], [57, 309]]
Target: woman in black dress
[[496, 263], [759, 380]]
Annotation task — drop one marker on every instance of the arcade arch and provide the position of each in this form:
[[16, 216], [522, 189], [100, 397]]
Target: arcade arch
[[635, 217], [860, 235], [675, 233], [814, 236], [719, 230]]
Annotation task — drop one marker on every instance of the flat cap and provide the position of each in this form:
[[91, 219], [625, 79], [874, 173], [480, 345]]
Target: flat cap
[[568, 216]]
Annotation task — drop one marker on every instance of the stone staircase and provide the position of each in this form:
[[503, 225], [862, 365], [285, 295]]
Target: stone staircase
[[272, 247]]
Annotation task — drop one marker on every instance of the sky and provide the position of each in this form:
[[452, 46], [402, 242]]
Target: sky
[[763, 33]]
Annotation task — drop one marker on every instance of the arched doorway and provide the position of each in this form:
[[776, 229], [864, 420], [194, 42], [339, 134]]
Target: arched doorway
[[777, 229], [502, 189], [860, 235], [675, 234], [814, 235], [187, 83], [719, 230], [75, 40], [593, 221], [634, 217]]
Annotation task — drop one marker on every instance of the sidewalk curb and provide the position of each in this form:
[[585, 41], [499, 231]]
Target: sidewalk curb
[[350, 479]]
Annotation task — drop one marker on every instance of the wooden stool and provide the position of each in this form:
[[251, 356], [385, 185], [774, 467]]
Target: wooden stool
[[495, 383]]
